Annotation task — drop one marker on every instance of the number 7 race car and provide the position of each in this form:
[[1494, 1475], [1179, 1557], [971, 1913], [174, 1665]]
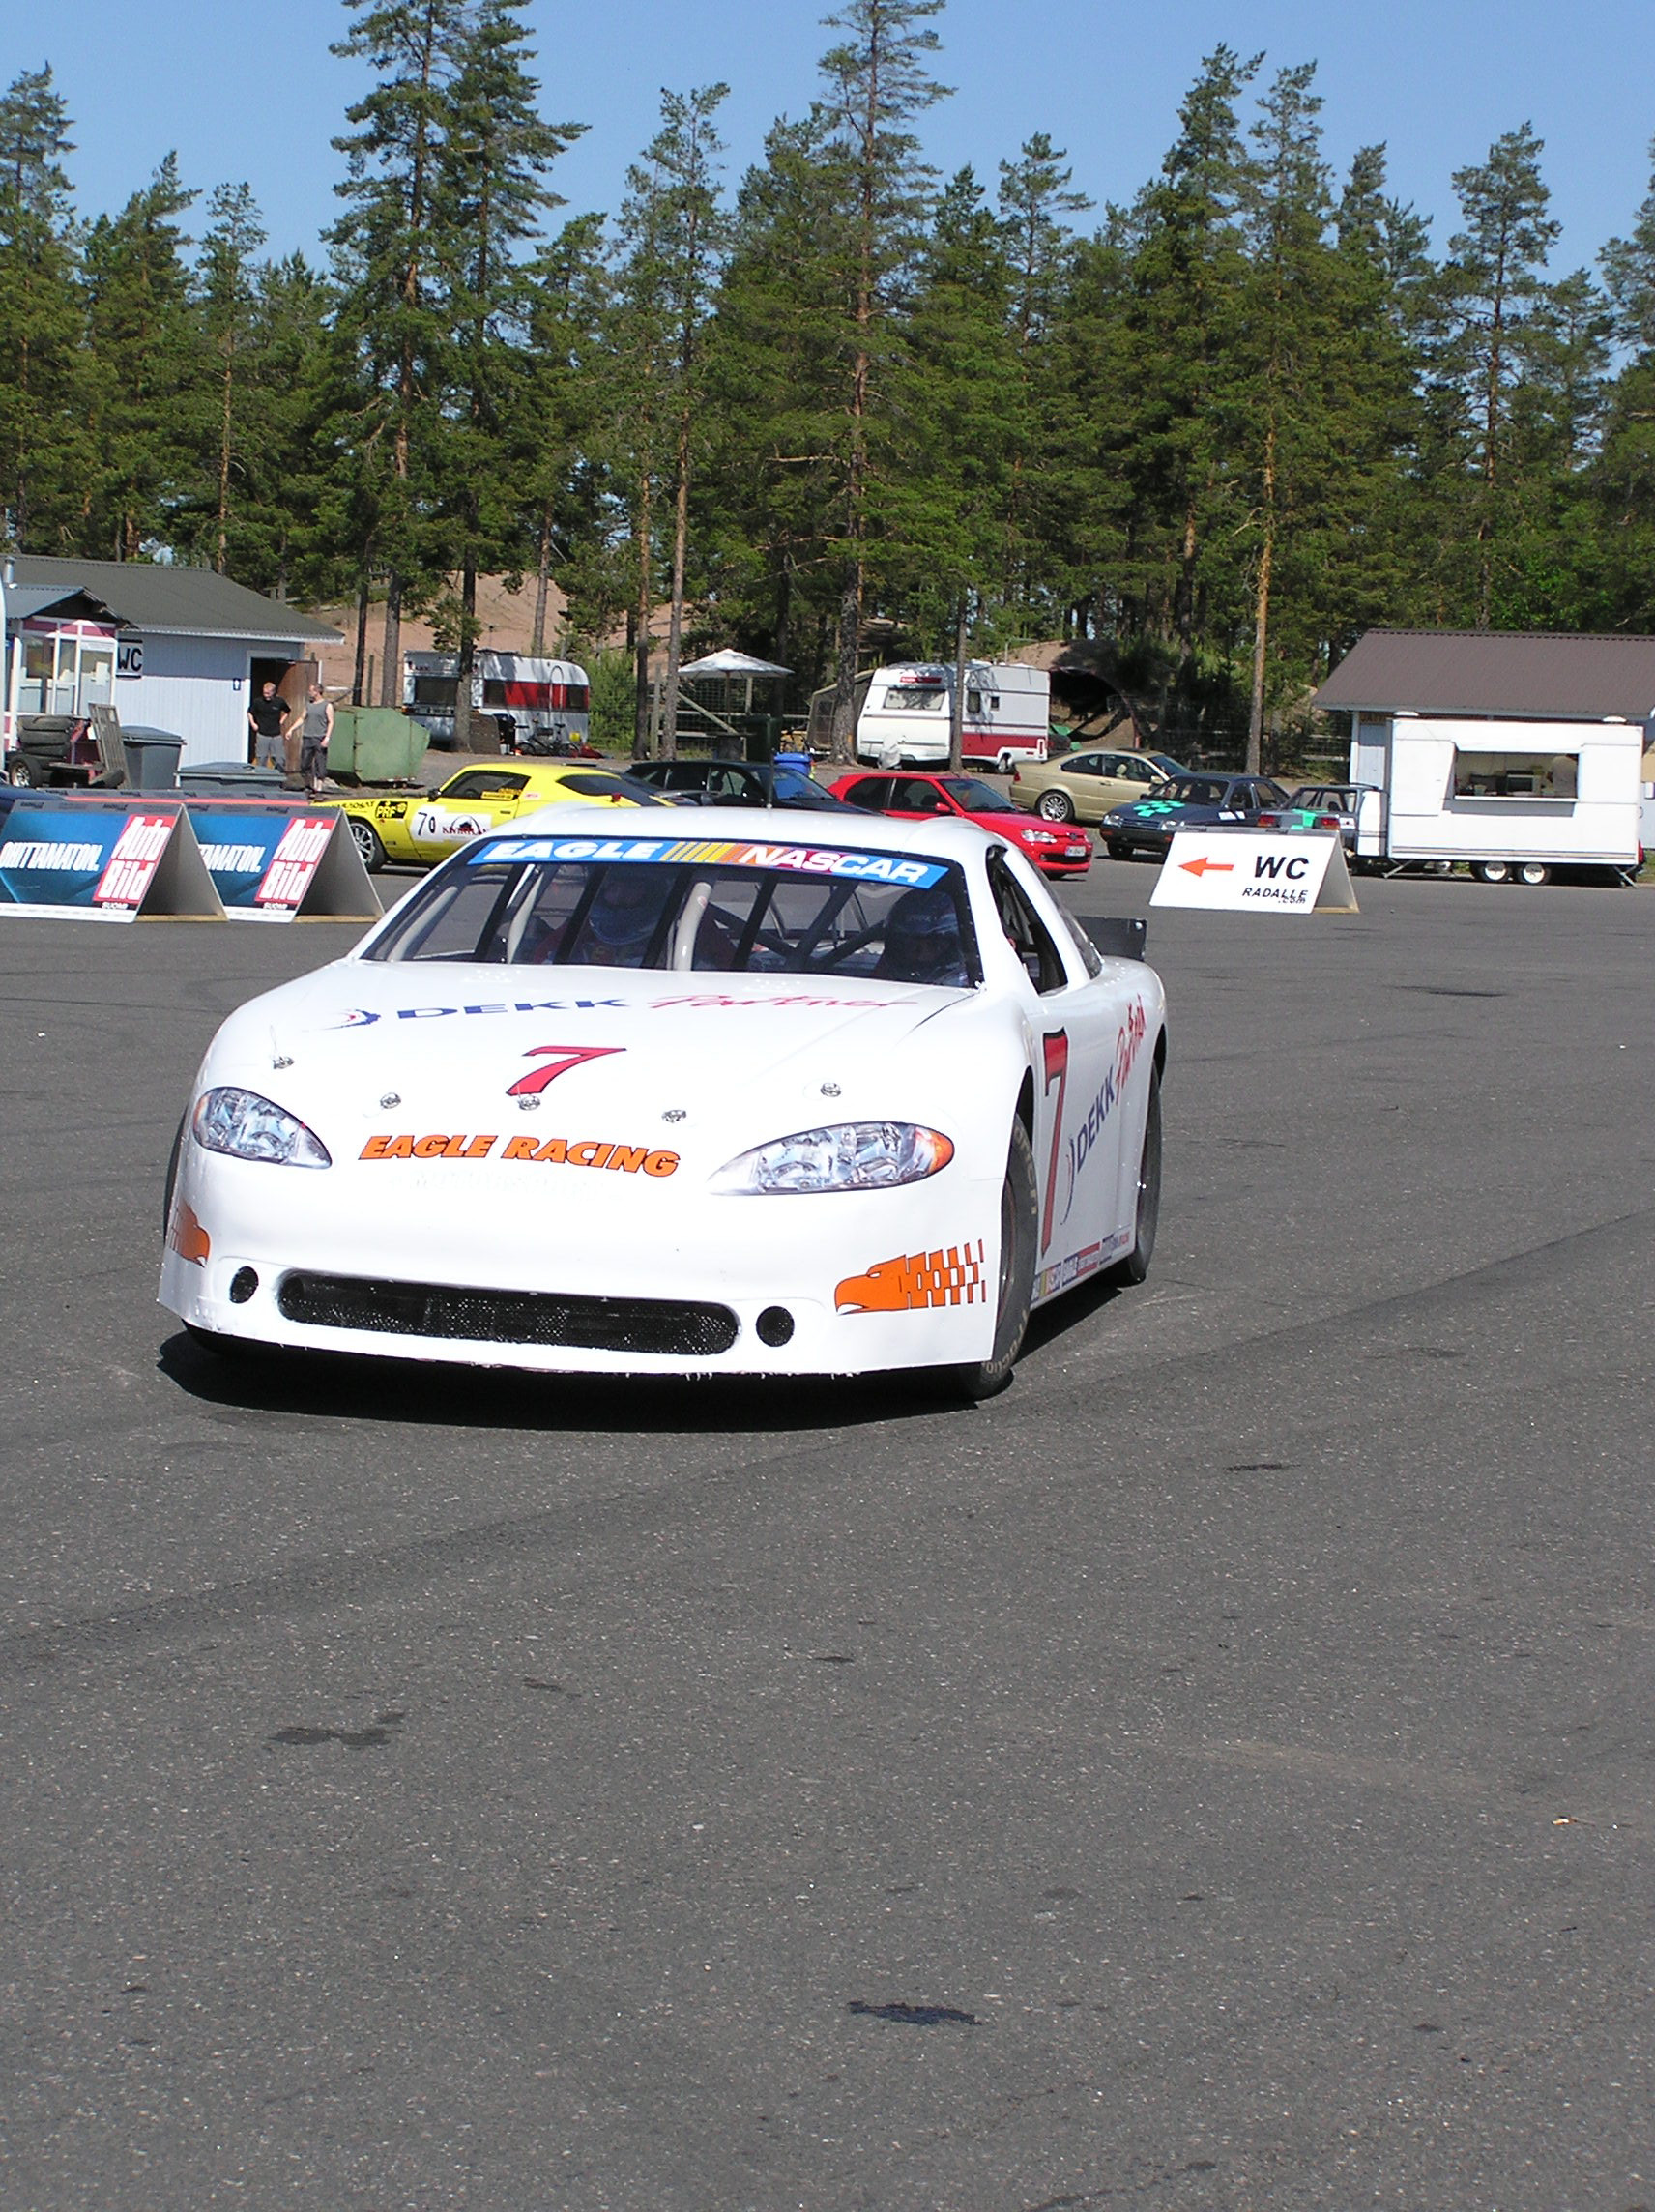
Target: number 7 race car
[[611, 1099]]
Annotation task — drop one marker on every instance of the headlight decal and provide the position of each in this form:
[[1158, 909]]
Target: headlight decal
[[848, 1156]]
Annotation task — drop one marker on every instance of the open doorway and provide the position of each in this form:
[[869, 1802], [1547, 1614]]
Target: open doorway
[[280, 673]]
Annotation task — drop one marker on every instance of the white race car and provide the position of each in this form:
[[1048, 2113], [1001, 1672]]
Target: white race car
[[779, 1098]]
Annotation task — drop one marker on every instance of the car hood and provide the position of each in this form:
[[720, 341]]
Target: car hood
[[368, 1046]]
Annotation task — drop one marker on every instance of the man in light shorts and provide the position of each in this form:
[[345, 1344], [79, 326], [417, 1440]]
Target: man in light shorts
[[267, 718]]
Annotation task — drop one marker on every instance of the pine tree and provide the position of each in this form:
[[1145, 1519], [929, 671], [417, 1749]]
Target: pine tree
[[44, 464], [1492, 287], [1188, 275], [1036, 202], [878, 83], [554, 412], [961, 397], [228, 280], [146, 369], [690, 233], [1293, 340], [391, 246]]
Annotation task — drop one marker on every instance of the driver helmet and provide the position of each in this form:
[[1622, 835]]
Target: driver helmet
[[922, 939], [624, 915]]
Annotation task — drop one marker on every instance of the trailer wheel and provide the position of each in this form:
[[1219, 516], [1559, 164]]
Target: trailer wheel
[[1492, 871], [1533, 872]]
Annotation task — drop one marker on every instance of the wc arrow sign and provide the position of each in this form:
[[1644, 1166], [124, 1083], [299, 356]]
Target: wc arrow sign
[[1250, 871]]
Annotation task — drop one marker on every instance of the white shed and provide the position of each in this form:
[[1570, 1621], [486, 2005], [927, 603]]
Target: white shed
[[171, 648], [1516, 752]]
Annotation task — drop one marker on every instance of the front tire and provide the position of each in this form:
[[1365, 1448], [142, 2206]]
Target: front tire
[[365, 838], [1118, 848], [1019, 1219], [1056, 807], [1135, 1268]]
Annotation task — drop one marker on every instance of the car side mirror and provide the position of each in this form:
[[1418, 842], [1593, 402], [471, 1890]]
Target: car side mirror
[[1118, 936]]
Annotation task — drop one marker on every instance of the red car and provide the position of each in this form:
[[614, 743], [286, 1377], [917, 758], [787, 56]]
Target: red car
[[1055, 848]]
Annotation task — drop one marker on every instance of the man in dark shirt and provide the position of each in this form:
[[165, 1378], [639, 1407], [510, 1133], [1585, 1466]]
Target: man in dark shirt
[[267, 719]]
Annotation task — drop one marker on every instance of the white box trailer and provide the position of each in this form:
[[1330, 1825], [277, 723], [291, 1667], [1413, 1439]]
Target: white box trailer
[[903, 719], [540, 706], [1513, 798]]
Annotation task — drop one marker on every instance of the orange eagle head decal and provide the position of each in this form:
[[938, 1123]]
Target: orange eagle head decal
[[944, 1278]]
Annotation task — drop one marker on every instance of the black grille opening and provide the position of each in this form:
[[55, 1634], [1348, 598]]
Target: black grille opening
[[666, 1326]]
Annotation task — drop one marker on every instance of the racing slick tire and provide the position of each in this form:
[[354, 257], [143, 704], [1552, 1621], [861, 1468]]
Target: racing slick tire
[[1532, 872], [1055, 806], [1019, 1229], [20, 773], [365, 838], [1492, 871], [1135, 1268]]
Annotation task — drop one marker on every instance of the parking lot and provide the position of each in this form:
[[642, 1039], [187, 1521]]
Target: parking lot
[[1218, 1771]]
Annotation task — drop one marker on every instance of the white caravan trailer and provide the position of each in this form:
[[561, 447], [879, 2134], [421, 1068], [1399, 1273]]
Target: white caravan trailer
[[903, 719], [1516, 799], [540, 706]]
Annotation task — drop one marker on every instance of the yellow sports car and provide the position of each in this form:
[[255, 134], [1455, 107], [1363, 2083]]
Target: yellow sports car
[[424, 826]]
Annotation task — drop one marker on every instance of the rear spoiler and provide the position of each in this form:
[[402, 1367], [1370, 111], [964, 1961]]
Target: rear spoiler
[[1117, 936]]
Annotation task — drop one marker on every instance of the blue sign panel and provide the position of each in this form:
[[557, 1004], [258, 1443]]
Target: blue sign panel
[[90, 859]]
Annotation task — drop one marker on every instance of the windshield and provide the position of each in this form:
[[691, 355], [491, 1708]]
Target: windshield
[[973, 795], [692, 906], [1192, 791], [800, 790]]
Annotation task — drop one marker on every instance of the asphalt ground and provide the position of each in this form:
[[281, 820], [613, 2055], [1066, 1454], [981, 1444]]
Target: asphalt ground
[[1216, 1773]]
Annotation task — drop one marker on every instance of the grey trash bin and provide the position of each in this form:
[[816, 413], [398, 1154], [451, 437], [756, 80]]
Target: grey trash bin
[[152, 758]]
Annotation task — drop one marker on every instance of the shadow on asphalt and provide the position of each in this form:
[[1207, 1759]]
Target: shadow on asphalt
[[439, 1394], [433, 1394]]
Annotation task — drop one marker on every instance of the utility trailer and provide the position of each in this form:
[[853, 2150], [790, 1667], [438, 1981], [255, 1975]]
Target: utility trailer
[[1513, 798]]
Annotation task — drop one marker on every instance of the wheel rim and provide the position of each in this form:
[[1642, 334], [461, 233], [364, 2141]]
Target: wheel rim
[[365, 840], [1056, 808]]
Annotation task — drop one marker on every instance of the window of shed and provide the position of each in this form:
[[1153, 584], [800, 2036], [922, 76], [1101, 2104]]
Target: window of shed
[[1515, 775]]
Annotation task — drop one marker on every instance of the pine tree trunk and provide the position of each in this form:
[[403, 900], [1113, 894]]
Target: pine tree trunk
[[359, 671], [224, 454], [641, 647], [957, 703], [468, 642], [844, 672], [675, 630], [1262, 610], [390, 666], [542, 580]]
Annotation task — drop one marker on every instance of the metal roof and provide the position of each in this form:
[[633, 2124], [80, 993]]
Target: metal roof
[[1516, 673], [25, 599], [165, 600]]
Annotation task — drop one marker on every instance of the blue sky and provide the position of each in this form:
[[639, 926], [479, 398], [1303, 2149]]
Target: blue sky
[[245, 89]]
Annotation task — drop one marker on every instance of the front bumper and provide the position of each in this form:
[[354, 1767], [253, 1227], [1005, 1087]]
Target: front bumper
[[477, 1261]]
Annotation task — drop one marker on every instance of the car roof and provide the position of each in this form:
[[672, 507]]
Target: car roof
[[943, 837]]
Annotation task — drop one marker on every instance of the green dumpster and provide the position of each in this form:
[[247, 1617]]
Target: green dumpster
[[376, 744]]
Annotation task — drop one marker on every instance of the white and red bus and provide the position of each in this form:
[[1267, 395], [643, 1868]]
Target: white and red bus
[[536, 706]]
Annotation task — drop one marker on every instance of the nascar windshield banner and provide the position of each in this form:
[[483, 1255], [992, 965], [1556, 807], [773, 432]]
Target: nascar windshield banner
[[103, 860], [719, 852], [1249, 871], [270, 861]]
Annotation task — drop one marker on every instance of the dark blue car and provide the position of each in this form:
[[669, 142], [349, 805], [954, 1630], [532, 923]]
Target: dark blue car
[[1188, 803]]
